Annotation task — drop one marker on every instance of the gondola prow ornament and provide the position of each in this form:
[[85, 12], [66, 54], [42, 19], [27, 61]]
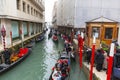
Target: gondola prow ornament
[[3, 32]]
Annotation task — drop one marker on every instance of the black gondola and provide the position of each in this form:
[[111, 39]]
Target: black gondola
[[30, 45], [5, 67], [50, 35], [61, 68], [40, 38], [55, 38]]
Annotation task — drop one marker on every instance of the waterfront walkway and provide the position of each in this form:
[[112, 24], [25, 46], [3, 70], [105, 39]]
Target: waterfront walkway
[[16, 42], [101, 75]]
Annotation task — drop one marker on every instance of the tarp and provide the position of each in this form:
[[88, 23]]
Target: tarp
[[87, 10], [77, 12]]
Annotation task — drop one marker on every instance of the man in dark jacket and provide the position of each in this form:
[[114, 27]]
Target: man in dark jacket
[[7, 54], [89, 51], [99, 59]]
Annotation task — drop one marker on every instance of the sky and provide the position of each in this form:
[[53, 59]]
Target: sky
[[48, 10]]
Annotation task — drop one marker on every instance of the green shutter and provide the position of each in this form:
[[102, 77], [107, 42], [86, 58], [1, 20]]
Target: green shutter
[[25, 28], [15, 30]]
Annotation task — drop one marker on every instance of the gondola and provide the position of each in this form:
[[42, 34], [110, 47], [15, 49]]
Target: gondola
[[23, 53], [30, 45], [55, 38], [50, 35], [40, 38], [61, 69]]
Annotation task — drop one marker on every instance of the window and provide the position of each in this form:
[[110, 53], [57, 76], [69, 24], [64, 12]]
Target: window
[[31, 11], [108, 33], [18, 4], [95, 32], [24, 8], [25, 28], [31, 28], [39, 27], [87, 31], [28, 9], [34, 12], [15, 29], [117, 32]]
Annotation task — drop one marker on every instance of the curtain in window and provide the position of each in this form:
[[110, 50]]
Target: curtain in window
[[25, 28], [31, 30], [15, 29], [37, 27]]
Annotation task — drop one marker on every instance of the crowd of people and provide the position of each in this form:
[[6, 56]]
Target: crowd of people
[[101, 59]]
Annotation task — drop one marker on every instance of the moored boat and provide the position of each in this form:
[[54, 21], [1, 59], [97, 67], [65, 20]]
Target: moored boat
[[50, 35], [40, 38], [23, 53], [30, 45], [55, 38]]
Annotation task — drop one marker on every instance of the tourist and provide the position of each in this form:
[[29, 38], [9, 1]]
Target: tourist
[[88, 55], [72, 54], [56, 75], [99, 59], [7, 56], [105, 63]]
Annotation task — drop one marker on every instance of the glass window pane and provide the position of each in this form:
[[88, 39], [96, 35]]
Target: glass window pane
[[18, 4], [95, 32], [25, 28], [108, 33], [15, 30], [117, 32], [31, 28], [24, 6]]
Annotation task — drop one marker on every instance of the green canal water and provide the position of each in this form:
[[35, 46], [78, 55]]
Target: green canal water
[[37, 66]]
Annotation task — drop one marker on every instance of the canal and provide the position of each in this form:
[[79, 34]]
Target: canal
[[37, 66]]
